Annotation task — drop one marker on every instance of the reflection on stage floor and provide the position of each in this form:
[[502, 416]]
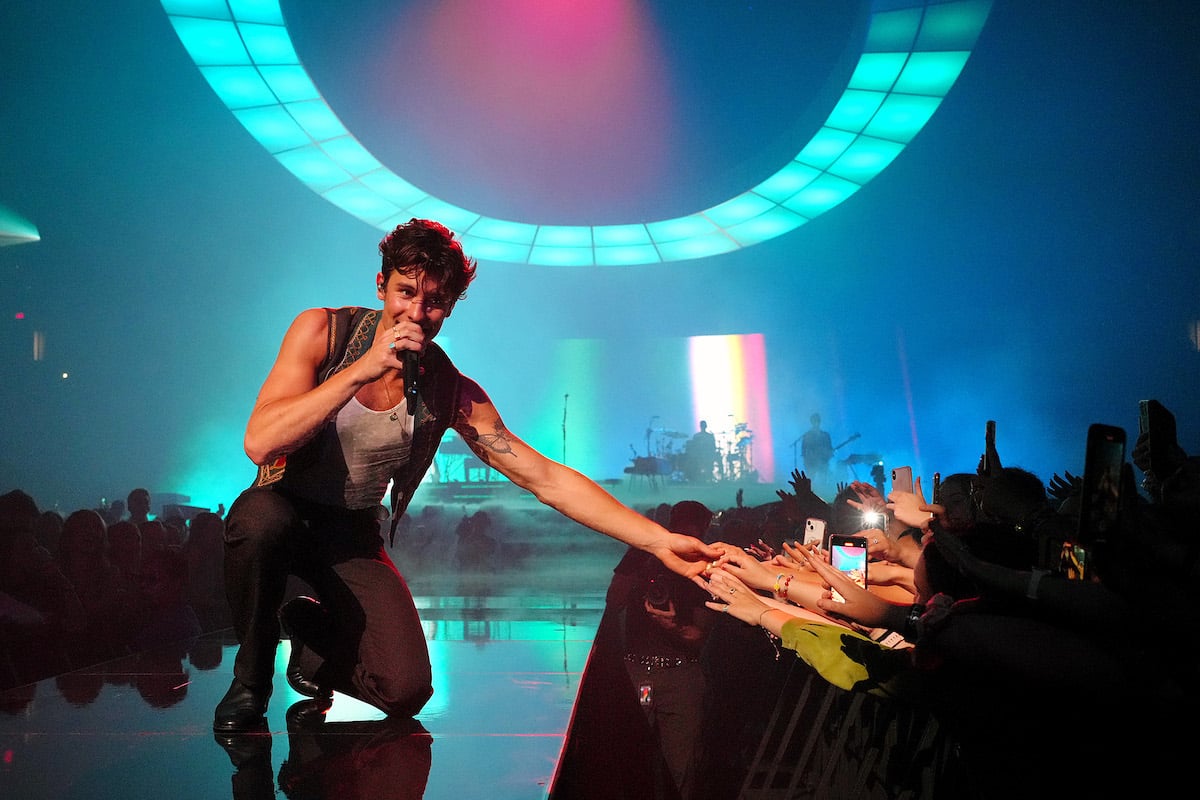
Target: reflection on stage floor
[[506, 674]]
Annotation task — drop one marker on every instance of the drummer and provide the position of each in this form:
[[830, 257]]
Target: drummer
[[701, 455]]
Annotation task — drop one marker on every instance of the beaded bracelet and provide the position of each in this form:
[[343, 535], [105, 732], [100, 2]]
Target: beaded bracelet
[[782, 582]]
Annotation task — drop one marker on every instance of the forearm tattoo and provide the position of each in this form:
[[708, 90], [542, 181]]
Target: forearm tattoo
[[486, 445]]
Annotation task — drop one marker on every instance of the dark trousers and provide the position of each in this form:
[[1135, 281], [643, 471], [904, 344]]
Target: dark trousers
[[365, 640]]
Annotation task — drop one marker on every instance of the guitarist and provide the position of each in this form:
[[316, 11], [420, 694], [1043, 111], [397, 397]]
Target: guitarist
[[816, 449]]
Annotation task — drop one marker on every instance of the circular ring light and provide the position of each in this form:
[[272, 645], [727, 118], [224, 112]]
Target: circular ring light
[[913, 53]]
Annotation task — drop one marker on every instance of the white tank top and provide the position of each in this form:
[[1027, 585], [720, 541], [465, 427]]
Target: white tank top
[[360, 452]]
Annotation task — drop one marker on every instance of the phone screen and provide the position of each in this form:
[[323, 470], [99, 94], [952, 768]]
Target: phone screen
[[1101, 494], [848, 554], [1158, 424], [989, 447]]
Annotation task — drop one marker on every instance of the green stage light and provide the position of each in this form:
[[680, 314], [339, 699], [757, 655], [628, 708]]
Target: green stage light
[[914, 51]]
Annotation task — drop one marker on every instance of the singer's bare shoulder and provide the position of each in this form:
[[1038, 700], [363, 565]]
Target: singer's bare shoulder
[[307, 338], [301, 352]]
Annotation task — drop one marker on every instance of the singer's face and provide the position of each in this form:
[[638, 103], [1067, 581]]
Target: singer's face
[[415, 298]]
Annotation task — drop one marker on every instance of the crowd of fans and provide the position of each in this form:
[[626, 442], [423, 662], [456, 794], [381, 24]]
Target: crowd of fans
[[102, 583], [1049, 644]]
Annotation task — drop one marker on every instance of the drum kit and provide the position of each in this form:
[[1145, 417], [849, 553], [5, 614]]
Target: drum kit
[[737, 452], [672, 454]]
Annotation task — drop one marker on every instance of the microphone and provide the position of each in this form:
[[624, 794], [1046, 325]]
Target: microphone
[[412, 368]]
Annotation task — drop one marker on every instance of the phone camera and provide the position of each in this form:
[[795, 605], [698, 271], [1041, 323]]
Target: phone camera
[[657, 594]]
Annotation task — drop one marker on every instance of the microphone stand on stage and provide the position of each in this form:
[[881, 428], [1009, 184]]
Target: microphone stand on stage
[[564, 428]]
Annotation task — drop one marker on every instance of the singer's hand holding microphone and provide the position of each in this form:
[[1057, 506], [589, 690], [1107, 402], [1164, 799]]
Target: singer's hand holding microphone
[[409, 359]]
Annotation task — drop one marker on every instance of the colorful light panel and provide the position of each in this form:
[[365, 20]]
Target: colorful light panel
[[912, 55]]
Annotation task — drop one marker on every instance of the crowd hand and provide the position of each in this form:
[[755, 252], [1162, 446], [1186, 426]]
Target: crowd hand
[[910, 508], [861, 606], [889, 573], [749, 570], [801, 484], [868, 494], [870, 501], [878, 543], [761, 550], [733, 597], [688, 556], [802, 502], [1063, 488], [802, 555]]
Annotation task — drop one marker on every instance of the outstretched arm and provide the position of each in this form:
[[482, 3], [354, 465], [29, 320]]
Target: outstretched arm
[[567, 491]]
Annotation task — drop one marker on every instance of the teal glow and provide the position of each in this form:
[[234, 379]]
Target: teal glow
[[564, 236], [822, 195], [931, 73], [626, 256], [15, 229], [912, 55], [902, 116], [238, 87], [558, 256], [609, 235], [877, 71], [894, 30], [209, 9], [865, 159], [855, 109], [516, 232], [824, 148], [210, 42], [739, 209], [290, 83], [268, 44], [273, 127], [785, 183]]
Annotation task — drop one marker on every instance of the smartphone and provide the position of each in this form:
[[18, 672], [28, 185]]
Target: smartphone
[[1158, 425], [848, 554], [658, 595], [937, 488], [814, 532], [989, 447], [902, 479], [1101, 494]]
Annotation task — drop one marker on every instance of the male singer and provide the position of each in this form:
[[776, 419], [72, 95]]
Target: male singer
[[357, 398]]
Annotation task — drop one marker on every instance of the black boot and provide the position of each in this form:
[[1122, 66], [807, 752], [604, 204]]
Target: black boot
[[243, 709], [289, 618], [306, 715]]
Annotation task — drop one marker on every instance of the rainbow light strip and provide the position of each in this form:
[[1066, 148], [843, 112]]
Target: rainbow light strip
[[729, 386]]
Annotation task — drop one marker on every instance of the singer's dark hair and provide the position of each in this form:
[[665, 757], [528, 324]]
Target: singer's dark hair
[[422, 245]]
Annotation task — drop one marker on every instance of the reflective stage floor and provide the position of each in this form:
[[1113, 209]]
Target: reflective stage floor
[[506, 674]]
